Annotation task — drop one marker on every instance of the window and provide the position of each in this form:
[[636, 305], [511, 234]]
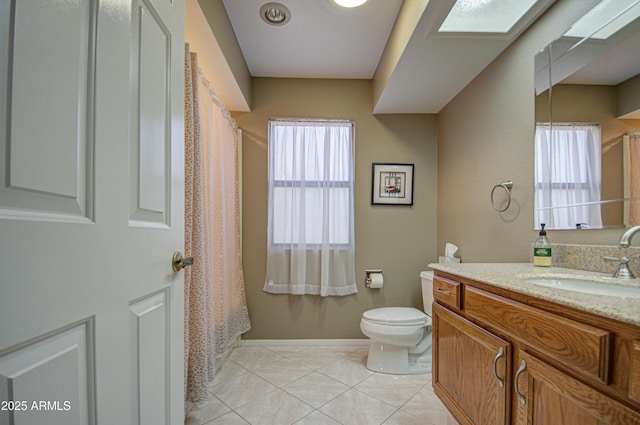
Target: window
[[568, 176], [311, 182]]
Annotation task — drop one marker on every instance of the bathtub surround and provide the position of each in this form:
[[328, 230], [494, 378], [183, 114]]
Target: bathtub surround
[[399, 240]]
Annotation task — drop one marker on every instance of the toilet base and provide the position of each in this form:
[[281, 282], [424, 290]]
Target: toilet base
[[395, 360]]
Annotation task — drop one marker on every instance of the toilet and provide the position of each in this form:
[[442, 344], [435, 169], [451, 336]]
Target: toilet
[[400, 336]]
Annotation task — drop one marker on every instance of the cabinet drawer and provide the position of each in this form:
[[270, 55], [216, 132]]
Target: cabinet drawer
[[447, 291], [581, 347]]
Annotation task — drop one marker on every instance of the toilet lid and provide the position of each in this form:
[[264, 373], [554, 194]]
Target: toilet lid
[[396, 316]]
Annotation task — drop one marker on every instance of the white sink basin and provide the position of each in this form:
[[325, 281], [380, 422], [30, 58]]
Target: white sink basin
[[586, 286]]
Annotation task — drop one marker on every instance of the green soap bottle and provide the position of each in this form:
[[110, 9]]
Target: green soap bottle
[[542, 250]]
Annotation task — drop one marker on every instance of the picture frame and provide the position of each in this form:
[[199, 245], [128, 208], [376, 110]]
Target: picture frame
[[391, 184]]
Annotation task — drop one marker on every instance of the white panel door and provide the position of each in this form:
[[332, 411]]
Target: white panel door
[[91, 210]]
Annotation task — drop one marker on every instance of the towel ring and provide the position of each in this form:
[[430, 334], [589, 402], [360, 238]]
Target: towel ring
[[507, 186]]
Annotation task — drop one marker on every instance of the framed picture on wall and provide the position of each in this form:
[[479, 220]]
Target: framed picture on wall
[[392, 184]]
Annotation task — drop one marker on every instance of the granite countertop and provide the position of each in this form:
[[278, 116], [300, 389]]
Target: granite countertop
[[512, 276]]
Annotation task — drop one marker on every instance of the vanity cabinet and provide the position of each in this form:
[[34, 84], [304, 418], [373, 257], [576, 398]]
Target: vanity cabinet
[[501, 357], [478, 385]]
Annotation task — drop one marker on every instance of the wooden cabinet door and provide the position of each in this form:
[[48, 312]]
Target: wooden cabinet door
[[547, 396], [471, 373]]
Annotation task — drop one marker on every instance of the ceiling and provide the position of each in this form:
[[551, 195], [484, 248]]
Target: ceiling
[[320, 41], [395, 43]]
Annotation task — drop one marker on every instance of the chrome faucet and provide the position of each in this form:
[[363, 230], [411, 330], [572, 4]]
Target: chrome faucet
[[623, 271], [625, 240]]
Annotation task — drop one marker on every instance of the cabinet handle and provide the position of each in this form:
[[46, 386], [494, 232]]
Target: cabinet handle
[[495, 366], [521, 397], [447, 293]]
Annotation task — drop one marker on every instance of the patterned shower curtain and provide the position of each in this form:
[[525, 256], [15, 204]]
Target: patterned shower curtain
[[215, 307], [632, 179]]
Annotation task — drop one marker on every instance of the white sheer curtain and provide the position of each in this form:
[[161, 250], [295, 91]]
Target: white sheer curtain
[[568, 176], [215, 308], [310, 225]]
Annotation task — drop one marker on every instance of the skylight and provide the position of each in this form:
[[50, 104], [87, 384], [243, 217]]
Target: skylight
[[485, 16], [606, 18]]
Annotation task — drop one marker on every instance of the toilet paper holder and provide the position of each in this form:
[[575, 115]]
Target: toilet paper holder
[[368, 273]]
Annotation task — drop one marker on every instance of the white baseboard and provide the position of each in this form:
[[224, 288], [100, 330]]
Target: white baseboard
[[310, 342]]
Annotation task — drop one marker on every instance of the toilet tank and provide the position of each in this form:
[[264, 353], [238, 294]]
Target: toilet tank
[[427, 290]]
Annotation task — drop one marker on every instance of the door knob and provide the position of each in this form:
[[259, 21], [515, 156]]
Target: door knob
[[178, 262]]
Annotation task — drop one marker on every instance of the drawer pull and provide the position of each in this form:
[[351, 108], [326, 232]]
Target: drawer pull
[[443, 292], [523, 366], [495, 366]]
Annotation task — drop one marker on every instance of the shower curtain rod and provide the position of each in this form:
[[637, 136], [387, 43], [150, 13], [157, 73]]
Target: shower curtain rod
[[637, 130], [322, 121], [217, 99], [568, 124]]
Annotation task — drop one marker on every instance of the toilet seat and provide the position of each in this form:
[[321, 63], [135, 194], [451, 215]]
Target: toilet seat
[[396, 316]]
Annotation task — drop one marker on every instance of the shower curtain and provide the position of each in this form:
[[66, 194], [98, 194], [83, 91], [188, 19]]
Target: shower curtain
[[632, 178], [215, 307]]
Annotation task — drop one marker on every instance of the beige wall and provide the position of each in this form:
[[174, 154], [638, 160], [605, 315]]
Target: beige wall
[[485, 136], [400, 240], [233, 85], [628, 96], [216, 15]]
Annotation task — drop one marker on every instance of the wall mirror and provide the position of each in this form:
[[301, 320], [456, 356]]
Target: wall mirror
[[587, 144]]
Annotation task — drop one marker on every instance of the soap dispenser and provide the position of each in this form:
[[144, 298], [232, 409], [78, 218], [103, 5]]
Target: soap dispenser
[[542, 250]]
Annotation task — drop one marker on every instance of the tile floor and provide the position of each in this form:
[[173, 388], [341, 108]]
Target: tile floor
[[315, 385]]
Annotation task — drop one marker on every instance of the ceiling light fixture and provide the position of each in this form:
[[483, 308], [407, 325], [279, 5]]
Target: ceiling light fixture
[[350, 3], [275, 14]]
